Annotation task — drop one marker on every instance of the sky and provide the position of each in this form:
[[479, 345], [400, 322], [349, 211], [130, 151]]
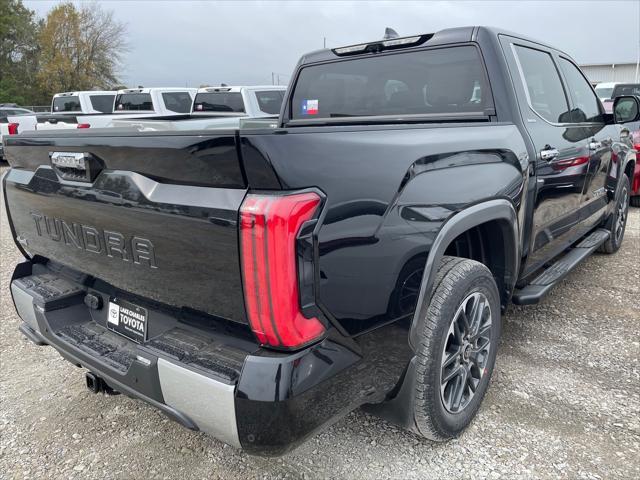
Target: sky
[[189, 43]]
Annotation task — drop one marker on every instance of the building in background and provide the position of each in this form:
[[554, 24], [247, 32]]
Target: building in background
[[611, 72]]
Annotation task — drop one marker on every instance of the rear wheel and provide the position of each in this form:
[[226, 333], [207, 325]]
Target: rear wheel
[[618, 221], [457, 348]]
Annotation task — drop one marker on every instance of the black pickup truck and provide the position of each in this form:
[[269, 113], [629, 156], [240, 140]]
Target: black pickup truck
[[260, 284]]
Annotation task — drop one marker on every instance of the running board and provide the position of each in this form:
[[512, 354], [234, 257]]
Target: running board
[[544, 282]]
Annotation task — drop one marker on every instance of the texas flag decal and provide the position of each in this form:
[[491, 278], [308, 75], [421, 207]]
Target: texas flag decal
[[309, 107]]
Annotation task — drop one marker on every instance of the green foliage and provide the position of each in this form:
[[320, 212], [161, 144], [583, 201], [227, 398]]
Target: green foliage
[[19, 53], [73, 48]]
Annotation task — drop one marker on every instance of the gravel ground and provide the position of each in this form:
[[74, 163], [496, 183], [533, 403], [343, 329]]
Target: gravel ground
[[564, 403]]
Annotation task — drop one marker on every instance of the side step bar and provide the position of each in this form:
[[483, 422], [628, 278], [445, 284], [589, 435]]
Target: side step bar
[[544, 282]]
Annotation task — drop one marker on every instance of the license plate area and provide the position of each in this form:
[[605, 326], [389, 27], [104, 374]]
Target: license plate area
[[128, 320]]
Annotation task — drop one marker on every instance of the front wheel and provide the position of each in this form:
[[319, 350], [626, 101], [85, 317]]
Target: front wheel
[[618, 220], [457, 348]]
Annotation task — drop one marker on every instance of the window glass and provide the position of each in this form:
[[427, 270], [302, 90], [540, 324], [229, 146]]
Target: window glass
[[543, 84], [586, 106], [604, 92], [134, 101], [270, 101], [102, 103], [439, 81], [66, 104], [179, 102], [218, 102]]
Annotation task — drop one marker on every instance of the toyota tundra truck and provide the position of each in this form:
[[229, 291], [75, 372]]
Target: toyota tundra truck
[[259, 284]]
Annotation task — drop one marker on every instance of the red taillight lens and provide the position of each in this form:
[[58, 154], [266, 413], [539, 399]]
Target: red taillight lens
[[13, 128], [83, 125], [269, 225]]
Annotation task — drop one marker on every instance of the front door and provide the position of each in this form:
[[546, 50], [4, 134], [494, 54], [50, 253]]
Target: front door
[[587, 112]]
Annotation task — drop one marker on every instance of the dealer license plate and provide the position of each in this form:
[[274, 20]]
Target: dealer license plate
[[128, 320]]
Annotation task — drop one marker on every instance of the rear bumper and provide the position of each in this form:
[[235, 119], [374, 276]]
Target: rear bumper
[[264, 402], [181, 393]]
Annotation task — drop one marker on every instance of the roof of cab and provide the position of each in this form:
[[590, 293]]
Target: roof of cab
[[152, 89], [238, 88], [442, 37], [90, 92]]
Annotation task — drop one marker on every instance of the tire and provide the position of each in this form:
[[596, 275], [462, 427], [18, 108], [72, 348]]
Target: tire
[[459, 283], [635, 201], [618, 220]]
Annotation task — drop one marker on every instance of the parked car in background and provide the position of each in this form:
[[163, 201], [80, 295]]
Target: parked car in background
[[618, 90], [634, 133], [217, 107], [604, 90], [8, 127], [83, 102], [97, 109], [14, 110]]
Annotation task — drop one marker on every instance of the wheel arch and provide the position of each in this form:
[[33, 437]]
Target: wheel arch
[[496, 213]]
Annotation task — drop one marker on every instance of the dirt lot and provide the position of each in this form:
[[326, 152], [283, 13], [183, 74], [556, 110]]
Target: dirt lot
[[564, 403]]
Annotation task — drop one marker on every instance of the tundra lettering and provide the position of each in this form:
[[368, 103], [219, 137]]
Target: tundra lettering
[[360, 253], [90, 239]]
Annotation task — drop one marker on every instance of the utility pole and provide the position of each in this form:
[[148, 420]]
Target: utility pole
[[272, 78], [324, 42]]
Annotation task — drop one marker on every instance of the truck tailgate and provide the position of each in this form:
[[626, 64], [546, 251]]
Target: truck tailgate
[[157, 220]]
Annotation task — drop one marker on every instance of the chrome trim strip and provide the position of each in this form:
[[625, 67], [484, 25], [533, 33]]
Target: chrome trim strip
[[25, 307], [209, 403]]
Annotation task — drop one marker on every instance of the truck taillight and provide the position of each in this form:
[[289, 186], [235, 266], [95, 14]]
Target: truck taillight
[[269, 225], [83, 125], [13, 128]]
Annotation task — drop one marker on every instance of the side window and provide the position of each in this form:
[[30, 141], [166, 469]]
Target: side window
[[586, 104], [179, 102], [543, 84]]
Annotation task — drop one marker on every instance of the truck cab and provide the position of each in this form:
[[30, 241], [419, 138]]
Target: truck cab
[[157, 101], [83, 102]]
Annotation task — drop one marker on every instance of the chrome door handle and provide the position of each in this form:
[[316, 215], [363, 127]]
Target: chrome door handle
[[594, 145], [549, 153]]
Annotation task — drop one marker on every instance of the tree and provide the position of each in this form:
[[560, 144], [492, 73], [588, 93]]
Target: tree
[[80, 49], [19, 53]]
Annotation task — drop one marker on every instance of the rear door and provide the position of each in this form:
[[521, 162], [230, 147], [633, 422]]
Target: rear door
[[561, 160]]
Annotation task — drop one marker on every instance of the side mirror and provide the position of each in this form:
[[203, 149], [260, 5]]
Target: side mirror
[[626, 108]]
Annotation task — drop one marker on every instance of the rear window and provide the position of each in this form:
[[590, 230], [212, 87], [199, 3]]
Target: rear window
[[179, 102], [102, 103], [270, 101], [219, 102], [441, 81], [604, 92], [66, 104], [134, 101], [631, 89]]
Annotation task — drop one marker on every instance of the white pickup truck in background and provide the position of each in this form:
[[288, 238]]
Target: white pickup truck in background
[[218, 107], [83, 109]]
